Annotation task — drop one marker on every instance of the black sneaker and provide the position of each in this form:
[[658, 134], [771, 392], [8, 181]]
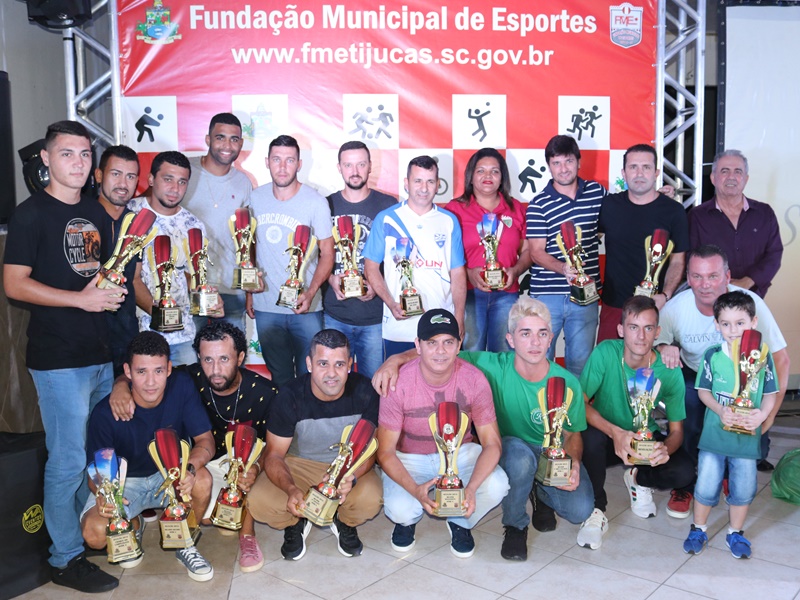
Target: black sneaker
[[461, 542], [543, 518], [515, 543], [86, 577], [294, 540], [349, 544], [764, 465], [403, 537]]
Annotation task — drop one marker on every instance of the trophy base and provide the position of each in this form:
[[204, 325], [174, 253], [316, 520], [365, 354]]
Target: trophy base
[[450, 501], [201, 303], [645, 448], [495, 278], [122, 546], [319, 508], [227, 516], [645, 290], [246, 278], [353, 286], [181, 533], [744, 411], [411, 304], [288, 296], [585, 294], [553, 472], [166, 319]]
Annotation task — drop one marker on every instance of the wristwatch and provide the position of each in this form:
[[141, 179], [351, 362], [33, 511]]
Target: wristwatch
[[191, 469]]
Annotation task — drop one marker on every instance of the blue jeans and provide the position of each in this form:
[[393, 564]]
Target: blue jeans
[[742, 482], [182, 354], [486, 320], [520, 460], [580, 328], [366, 343], [402, 508], [390, 348], [285, 340], [66, 399], [234, 312], [141, 494]]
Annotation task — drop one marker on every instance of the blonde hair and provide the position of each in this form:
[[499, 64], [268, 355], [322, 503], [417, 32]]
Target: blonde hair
[[527, 307]]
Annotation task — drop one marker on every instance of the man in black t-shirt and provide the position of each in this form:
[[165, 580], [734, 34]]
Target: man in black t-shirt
[[308, 416]]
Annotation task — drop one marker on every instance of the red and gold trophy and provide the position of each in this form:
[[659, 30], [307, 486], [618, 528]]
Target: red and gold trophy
[[244, 448], [243, 230], [752, 355], [356, 446], [301, 246], [166, 314], [657, 248], [179, 527], [347, 234], [202, 296], [583, 290], [448, 425], [555, 465], [643, 390], [490, 228], [108, 472], [410, 298]]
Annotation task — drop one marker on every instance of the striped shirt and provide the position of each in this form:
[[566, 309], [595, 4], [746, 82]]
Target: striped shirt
[[546, 212]]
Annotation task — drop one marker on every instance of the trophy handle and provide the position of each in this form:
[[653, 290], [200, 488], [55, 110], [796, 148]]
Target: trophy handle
[[312, 246], [462, 429], [229, 444], [357, 231], [361, 429], [151, 448], [434, 429], [258, 446], [123, 228]]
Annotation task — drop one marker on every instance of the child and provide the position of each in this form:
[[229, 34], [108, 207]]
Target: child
[[734, 313]]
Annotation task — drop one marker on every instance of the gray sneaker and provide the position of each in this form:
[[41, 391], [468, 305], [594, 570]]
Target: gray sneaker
[[198, 567]]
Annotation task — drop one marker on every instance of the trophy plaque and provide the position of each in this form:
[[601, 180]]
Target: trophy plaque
[[490, 228], [301, 245], [643, 389], [244, 448], [410, 298], [583, 290], [243, 230], [752, 357], [356, 446], [448, 426], [166, 315], [202, 296], [347, 234], [555, 465], [657, 249]]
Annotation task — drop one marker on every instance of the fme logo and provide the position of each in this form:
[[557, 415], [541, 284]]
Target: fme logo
[[626, 25]]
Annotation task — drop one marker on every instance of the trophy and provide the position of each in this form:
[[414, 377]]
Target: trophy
[[202, 295], [752, 355], [657, 247], [243, 230], [166, 314], [410, 298], [642, 391], [301, 245], [490, 229], [244, 448], [555, 465], [448, 425], [179, 527], [108, 473], [356, 446], [346, 234], [583, 289]]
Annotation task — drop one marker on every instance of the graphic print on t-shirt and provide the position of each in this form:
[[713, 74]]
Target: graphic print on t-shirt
[[82, 247]]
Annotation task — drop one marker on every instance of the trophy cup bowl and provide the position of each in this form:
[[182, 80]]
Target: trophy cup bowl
[[657, 249], [490, 228], [448, 426], [244, 448], [555, 466], [583, 289]]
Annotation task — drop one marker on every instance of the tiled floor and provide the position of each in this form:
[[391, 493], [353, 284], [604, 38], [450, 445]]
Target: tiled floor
[[639, 559]]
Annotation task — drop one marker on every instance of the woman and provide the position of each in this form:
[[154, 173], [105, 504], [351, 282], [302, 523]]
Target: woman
[[487, 191]]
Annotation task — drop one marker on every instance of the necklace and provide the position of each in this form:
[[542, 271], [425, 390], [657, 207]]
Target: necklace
[[232, 420], [649, 361]]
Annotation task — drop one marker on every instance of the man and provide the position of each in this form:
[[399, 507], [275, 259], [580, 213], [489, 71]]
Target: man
[[566, 197], [358, 318], [309, 415], [163, 399], [687, 330], [430, 238], [279, 207], [52, 261], [626, 220], [406, 449], [169, 177], [213, 195], [745, 229], [117, 175], [611, 429]]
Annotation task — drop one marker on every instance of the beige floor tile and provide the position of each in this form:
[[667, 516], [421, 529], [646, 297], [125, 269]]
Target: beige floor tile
[[140, 585], [669, 593], [766, 506], [771, 541], [261, 585], [431, 534], [663, 524], [556, 542], [413, 582]]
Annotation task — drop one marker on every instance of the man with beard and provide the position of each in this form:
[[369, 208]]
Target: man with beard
[[358, 318]]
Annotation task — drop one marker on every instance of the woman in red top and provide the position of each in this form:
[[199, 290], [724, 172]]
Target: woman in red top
[[487, 190]]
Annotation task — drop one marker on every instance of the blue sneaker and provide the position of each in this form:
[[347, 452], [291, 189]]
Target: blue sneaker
[[461, 542], [739, 545], [696, 542], [403, 537]]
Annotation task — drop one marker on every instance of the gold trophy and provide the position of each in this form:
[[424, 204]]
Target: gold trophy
[[657, 247], [583, 290], [356, 446], [643, 389], [244, 448], [448, 426], [752, 356], [347, 234], [166, 314], [108, 472], [202, 296], [243, 230], [555, 465], [410, 298], [490, 229], [179, 527], [301, 246]]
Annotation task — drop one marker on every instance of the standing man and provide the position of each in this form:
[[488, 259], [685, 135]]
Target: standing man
[[279, 207], [745, 229], [51, 262], [358, 318], [213, 194], [626, 220], [430, 238], [566, 197]]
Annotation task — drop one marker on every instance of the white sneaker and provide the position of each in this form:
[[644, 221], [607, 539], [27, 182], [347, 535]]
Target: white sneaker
[[198, 567], [642, 504], [592, 530]]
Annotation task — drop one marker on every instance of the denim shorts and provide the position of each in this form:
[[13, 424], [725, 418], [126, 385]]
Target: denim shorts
[[742, 482]]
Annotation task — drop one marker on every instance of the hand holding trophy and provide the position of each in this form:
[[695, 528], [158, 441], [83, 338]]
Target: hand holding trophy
[[657, 248], [202, 295], [643, 390], [583, 290], [244, 448], [752, 357], [166, 315], [448, 426], [301, 246], [490, 228], [347, 234], [555, 465]]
